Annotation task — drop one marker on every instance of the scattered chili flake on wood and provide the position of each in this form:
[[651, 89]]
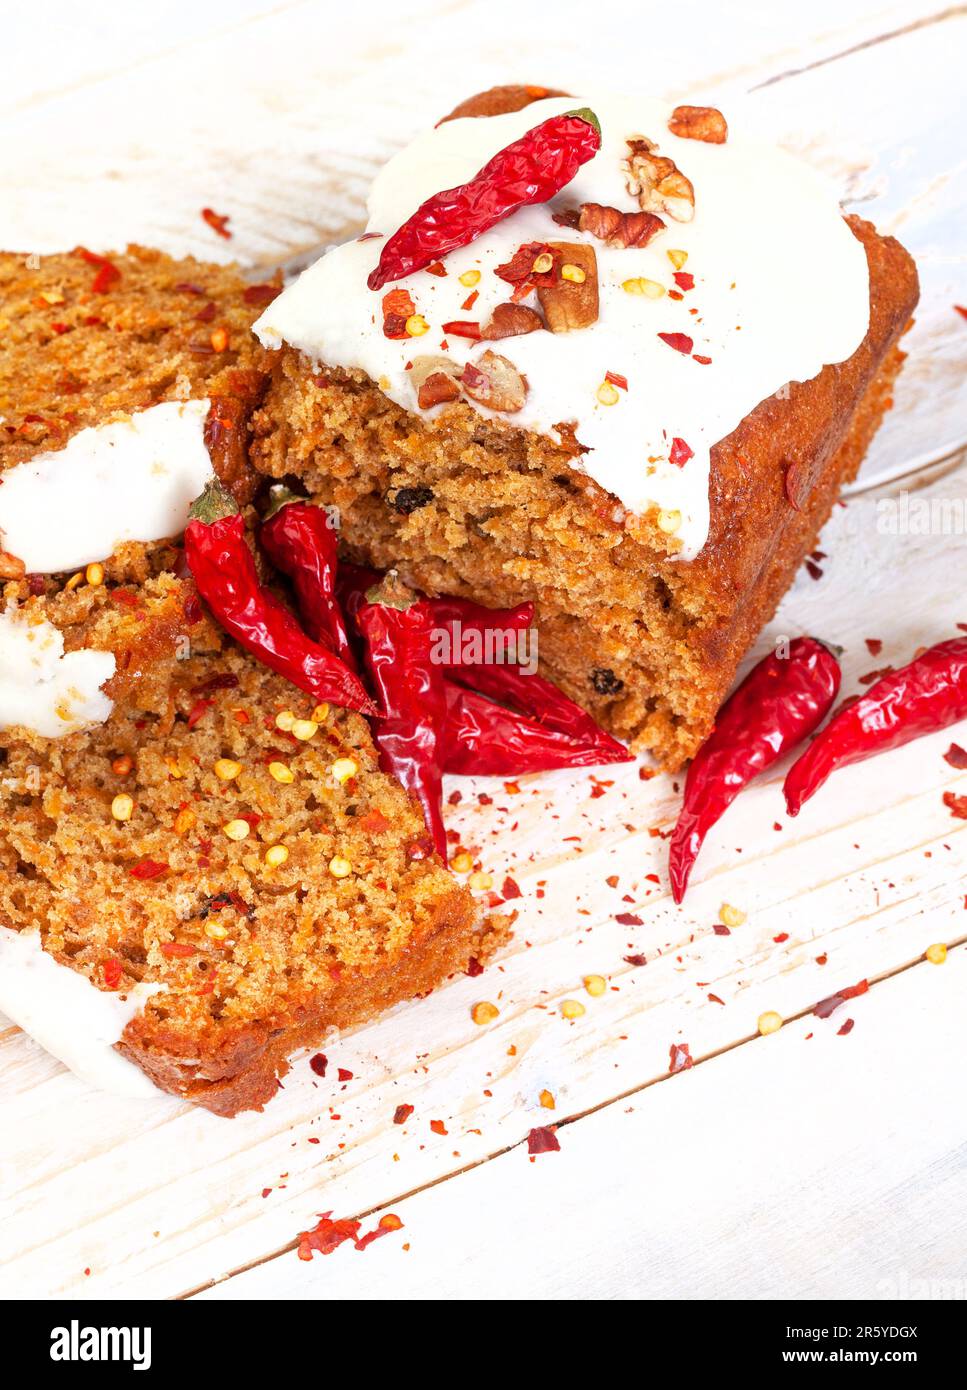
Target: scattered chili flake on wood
[[438, 1127], [873, 645], [684, 279], [318, 1062], [635, 960], [384, 1227], [783, 936], [956, 805], [628, 919], [327, 1236], [681, 342], [961, 310], [148, 868], [343, 1075], [846, 1028], [463, 328], [401, 1114], [827, 1006], [510, 889], [956, 756], [617, 380], [680, 453], [218, 222], [679, 1058], [542, 1140]]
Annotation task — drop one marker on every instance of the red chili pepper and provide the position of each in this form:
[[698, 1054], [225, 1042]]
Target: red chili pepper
[[300, 540], [224, 571], [928, 694], [398, 631], [529, 170], [780, 702], [481, 737]]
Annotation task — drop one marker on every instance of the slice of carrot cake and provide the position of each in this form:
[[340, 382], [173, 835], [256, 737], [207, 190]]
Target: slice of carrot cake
[[604, 355]]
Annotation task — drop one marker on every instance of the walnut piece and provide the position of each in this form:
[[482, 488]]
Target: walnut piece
[[619, 228], [699, 123], [436, 380], [10, 566], [572, 301], [510, 321], [495, 382], [657, 182]]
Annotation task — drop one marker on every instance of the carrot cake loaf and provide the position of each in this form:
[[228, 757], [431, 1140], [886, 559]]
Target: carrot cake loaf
[[604, 355]]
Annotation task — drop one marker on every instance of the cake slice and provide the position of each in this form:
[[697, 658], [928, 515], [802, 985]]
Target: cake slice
[[187, 898], [125, 382], [634, 403]]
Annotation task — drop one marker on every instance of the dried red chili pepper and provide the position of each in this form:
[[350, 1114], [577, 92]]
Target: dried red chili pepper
[[529, 170], [780, 702], [928, 694], [300, 540], [398, 631], [224, 571], [483, 738]]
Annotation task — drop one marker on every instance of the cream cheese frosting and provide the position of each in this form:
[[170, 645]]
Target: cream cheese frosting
[[127, 480], [43, 688], [76, 1022], [781, 289]]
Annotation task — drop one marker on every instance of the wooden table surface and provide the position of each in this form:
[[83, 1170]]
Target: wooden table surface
[[815, 1163]]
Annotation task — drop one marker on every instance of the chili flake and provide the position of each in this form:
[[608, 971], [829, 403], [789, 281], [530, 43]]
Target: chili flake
[[680, 453], [401, 1114], [542, 1140], [679, 1058], [218, 222], [681, 342], [148, 868]]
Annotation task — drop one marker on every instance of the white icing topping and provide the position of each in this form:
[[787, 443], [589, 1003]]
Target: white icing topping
[[41, 687], [781, 289], [130, 480], [69, 1016]]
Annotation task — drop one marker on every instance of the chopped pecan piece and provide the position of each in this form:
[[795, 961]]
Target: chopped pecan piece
[[495, 382], [619, 228], [572, 301], [510, 321], [499, 100], [10, 566], [657, 182], [699, 123], [436, 380], [227, 431]]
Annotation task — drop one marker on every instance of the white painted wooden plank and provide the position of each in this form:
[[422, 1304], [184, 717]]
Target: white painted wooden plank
[[832, 1167]]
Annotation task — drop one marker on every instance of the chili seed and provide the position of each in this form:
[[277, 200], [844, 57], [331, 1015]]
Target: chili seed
[[574, 273], [74, 580], [227, 769], [605, 681], [731, 916], [184, 820], [470, 278], [281, 773], [572, 1008], [937, 953], [410, 499], [122, 766], [543, 263], [304, 729], [343, 769], [462, 863], [94, 574], [480, 881], [769, 1022], [484, 1013], [122, 807], [284, 720], [215, 930], [276, 855], [321, 713], [669, 522], [236, 829], [595, 985], [678, 258], [416, 326], [219, 339], [339, 867], [607, 394], [641, 286]]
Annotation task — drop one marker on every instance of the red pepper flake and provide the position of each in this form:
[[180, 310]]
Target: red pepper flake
[[813, 570], [318, 1062], [218, 222], [702, 361], [783, 936], [635, 960], [679, 1058], [961, 310], [438, 1127], [825, 1007], [373, 823], [436, 268], [714, 999], [192, 610], [397, 308], [148, 868], [107, 272], [401, 1114], [463, 328], [823, 959], [956, 756], [197, 711], [261, 294], [207, 314], [628, 919], [684, 279], [873, 645], [956, 805], [327, 1236], [617, 380], [225, 680], [542, 1140], [474, 968], [846, 1028], [177, 949], [510, 889], [35, 584], [343, 1075], [680, 453], [112, 970], [681, 342], [470, 300], [386, 1225]]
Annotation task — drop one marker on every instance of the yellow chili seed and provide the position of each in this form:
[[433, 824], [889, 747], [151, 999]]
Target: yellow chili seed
[[572, 1008], [74, 580], [343, 769], [608, 394], [284, 720], [595, 985], [339, 867], [321, 713], [275, 856], [236, 829], [543, 263], [416, 326], [731, 916], [678, 258], [173, 769], [769, 1022], [573, 273], [281, 773], [470, 278], [937, 953], [227, 769], [215, 930], [122, 807], [462, 863], [122, 766], [641, 286], [484, 1013], [480, 880], [304, 729], [94, 574], [184, 820], [669, 522], [219, 339], [547, 1100]]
